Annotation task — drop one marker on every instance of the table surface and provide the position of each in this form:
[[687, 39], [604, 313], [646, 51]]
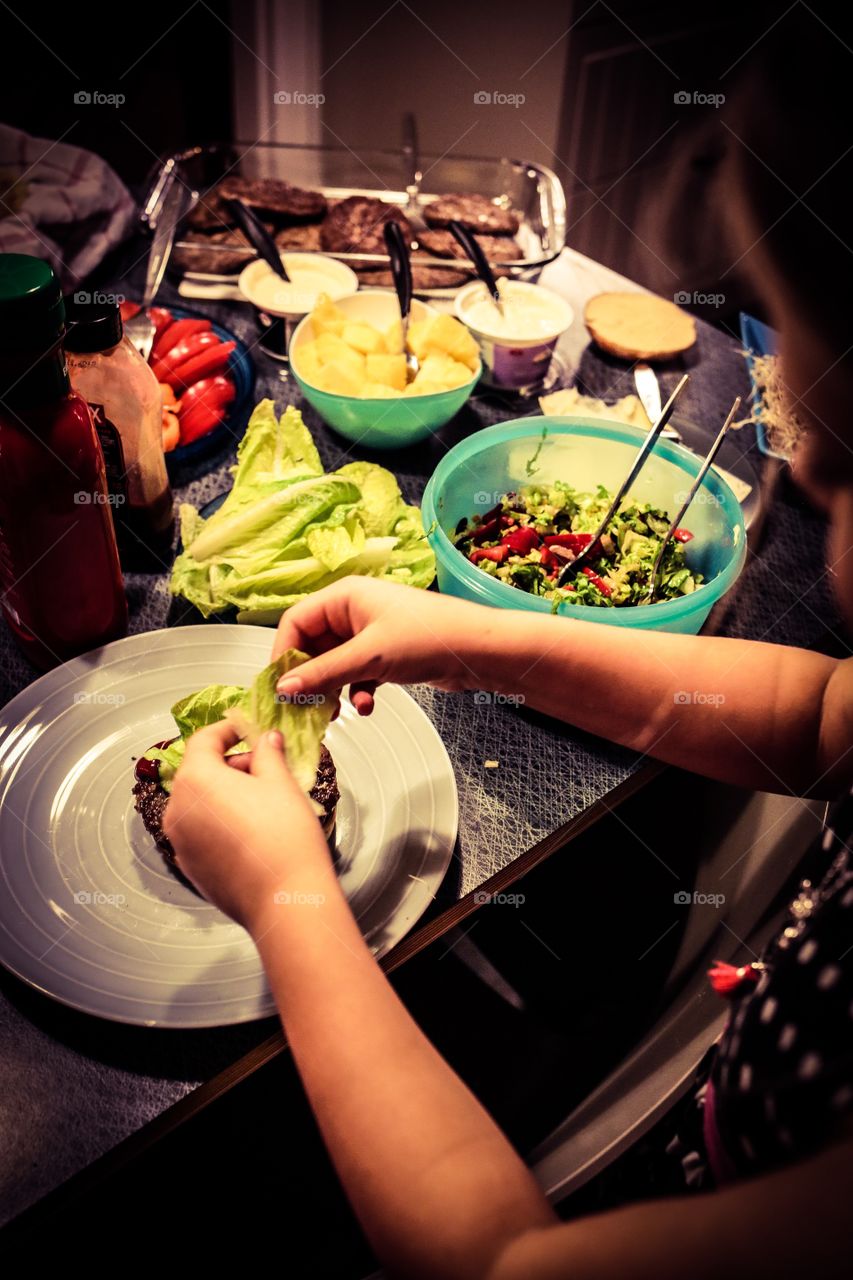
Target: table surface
[[73, 1086]]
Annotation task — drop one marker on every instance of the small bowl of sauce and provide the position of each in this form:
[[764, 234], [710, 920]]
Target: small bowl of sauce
[[517, 345], [280, 304]]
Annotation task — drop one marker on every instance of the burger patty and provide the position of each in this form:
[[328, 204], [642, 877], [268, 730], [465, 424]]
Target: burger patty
[[150, 801]]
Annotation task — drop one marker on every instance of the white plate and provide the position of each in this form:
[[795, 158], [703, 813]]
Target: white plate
[[89, 912]]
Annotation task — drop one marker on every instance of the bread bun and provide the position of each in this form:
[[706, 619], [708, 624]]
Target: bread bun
[[639, 326]]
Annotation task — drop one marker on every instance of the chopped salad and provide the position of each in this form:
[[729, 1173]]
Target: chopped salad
[[530, 535]]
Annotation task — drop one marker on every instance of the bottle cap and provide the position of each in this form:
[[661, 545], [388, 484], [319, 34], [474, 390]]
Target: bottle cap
[[92, 325], [32, 313]]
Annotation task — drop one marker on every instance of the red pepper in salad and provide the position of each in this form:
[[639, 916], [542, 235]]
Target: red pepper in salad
[[497, 554], [597, 581], [521, 541], [682, 535], [576, 542]]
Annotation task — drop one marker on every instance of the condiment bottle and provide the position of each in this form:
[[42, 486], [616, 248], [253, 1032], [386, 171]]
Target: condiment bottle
[[124, 396], [62, 590]]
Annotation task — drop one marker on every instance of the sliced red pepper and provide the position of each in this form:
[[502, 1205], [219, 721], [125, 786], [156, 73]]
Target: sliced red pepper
[[184, 350], [597, 582], [204, 406], [127, 309], [209, 361], [483, 532], [162, 318], [175, 332], [576, 542], [682, 535], [496, 554], [203, 418], [521, 541], [548, 560]]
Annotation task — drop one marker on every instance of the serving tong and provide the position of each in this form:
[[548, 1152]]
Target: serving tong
[[574, 566], [691, 494]]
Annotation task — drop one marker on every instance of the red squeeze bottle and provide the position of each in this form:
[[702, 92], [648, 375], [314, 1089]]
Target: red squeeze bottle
[[61, 584]]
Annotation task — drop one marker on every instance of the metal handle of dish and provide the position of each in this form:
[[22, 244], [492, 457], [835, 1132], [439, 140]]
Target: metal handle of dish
[[401, 268], [694, 489], [258, 236], [476, 255], [411, 156], [574, 566]]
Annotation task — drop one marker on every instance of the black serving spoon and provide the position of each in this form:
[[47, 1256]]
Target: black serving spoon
[[258, 236], [401, 271], [476, 255]]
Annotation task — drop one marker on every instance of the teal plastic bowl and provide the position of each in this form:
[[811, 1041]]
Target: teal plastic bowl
[[384, 423], [583, 452]]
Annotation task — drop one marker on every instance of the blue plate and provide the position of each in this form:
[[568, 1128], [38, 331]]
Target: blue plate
[[241, 371], [759, 340]]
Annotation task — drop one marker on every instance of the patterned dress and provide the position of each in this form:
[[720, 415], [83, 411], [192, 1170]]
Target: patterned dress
[[779, 1083]]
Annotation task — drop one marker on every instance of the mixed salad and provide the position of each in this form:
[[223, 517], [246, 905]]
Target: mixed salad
[[530, 535]]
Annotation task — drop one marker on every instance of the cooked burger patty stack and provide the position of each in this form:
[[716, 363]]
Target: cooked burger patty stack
[[151, 799]]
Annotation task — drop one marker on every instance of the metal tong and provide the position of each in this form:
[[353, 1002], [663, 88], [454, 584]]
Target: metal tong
[[574, 566], [691, 494]]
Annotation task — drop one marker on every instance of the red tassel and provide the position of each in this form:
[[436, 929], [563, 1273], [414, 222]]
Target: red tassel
[[726, 979]]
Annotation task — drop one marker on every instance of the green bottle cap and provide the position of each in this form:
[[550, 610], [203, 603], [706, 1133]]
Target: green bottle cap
[[32, 313]]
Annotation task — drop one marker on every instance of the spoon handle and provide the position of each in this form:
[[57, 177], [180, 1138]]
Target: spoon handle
[[401, 267], [475, 254], [258, 236]]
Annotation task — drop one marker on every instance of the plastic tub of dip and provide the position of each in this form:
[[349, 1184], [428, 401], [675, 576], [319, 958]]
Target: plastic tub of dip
[[280, 305], [517, 346]]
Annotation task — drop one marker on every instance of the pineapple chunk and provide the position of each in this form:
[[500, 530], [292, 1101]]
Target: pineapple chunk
[[326, 317], [444, 335], [388, 369], [442, 369], [394, 338], [333, 350], [309, 361], [364, 338], [416, 337], [340, 379], [421, 386], [378, 391]]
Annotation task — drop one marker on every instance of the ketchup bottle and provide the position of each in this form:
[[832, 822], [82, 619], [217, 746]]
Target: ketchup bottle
[[62, 590]]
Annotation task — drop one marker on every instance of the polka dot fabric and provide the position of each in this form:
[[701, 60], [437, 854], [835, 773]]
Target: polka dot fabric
[[781, 1081]]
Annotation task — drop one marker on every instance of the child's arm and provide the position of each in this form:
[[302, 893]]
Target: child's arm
[[756, 715]]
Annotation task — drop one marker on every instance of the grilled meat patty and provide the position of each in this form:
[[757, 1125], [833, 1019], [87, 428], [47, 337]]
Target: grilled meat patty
[[150, 800]]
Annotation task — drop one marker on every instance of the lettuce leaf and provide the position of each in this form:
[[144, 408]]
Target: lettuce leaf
[[253, 711], [286, 528]]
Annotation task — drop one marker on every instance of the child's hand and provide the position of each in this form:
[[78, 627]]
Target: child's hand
[[366, 632], [241, 835]]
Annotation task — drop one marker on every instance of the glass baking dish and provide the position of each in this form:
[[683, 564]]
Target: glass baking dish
[[397, 177]]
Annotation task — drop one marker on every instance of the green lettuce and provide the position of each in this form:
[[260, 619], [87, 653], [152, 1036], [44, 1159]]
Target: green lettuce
[[253, 711], [287, 528]]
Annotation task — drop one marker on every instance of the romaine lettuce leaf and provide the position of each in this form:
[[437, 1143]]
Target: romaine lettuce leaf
[[253, 711]]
